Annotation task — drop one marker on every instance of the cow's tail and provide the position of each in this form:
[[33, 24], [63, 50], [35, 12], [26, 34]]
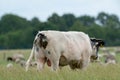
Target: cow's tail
[[30, 58]]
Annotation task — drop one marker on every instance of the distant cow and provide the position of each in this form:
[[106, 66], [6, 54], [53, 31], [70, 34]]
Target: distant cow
[[110, 58], [60, 49], [15, 58]]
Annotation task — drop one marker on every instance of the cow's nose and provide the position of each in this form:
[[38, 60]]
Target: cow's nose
[[96, 57]]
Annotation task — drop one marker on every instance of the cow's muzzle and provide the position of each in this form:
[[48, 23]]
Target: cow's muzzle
[[94, 57]]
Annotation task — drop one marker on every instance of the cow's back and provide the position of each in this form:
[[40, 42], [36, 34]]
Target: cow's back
[[71, 44]]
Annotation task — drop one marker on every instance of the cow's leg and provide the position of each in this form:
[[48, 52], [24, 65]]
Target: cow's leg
[[74, 64], [55, 64], [40, 63], [29, 59], [84, 61], [53, 57], [55, 60]]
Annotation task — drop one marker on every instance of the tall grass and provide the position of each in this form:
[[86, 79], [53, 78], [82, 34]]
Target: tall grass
[[94, 71]]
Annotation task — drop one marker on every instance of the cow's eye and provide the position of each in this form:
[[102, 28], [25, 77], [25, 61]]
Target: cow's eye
[[37, 49], [48, 52]]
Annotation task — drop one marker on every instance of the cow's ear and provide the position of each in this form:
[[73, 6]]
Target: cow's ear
[[101, 43], [43, 40], [93, 39]]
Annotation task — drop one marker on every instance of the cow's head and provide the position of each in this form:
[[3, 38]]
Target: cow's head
[[41, 40], [96, 43]]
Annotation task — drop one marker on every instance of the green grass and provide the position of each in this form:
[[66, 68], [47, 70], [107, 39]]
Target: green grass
[[94, 71]]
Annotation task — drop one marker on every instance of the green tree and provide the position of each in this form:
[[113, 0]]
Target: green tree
[[102, 17], [10, 22], [87, 20], [58, 21], [69, 20], [18, 32], [78, 26]]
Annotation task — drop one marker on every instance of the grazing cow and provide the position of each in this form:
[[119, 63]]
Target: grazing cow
[[60, 49], [16, 58], [95, 43], [110, 58]]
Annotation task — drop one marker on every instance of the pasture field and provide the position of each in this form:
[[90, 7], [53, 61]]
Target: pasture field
[[95, 71]]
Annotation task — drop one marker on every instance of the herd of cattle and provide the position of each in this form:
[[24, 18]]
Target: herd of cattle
[[59, 49]]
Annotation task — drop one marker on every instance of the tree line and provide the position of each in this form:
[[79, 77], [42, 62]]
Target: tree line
[[18, 32]]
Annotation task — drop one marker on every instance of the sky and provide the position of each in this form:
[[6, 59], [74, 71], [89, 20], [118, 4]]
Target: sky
[[45, 8]]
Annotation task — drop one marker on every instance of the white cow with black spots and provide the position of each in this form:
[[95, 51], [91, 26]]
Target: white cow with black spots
[[61, 48]]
